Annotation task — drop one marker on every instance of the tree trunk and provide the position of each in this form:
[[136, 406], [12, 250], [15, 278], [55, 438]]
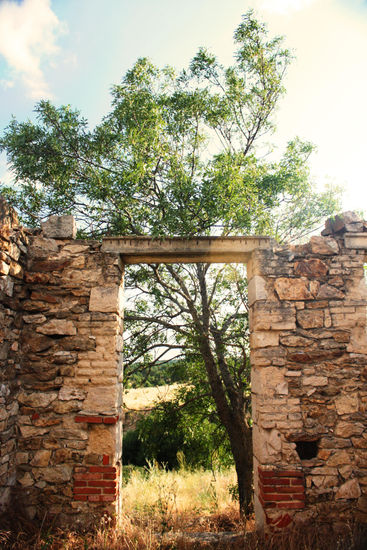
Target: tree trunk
[[241, 445], [237, 428]]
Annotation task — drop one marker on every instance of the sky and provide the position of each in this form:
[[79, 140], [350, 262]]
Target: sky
[[73, 51]]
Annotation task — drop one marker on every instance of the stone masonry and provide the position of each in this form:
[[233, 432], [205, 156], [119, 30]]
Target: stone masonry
[[13, 243], [309, 371], [61, 371]]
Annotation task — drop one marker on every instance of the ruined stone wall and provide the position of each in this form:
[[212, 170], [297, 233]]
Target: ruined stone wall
[[61, 370], [13, 241], [309, 371], [69, 428]]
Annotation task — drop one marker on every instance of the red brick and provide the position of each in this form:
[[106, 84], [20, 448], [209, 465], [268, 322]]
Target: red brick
[[107, 498], [87, 491], [297, 481], [80, 497], [80, 469], [283, 521], [274, 481], [107, 491], [103, 469], [110, 419], [290, 473], [94, 498], [269, 504], [109, 476], [78, 483], [267, 473], [282, 489], [89, 419], [102, 484], [87, 477], [106, 460]]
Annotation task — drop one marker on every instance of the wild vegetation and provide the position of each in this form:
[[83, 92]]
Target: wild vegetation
[[176, 510]]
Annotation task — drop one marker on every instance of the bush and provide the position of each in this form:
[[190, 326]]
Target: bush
[[170, 432]]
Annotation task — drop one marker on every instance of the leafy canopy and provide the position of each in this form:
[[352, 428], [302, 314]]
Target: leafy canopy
[[176, 155]]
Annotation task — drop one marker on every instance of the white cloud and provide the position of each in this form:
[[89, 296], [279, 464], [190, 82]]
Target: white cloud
[[6, 84], [28, 33], [284, 7]]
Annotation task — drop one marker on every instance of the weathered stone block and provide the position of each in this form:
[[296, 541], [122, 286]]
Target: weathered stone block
[[41, 458], [325, 246], [7, 285], [347, 403], [269, 380], [69, 394], [315, 381], [100, 399], [257, 289], [106, 299], [264, 316], [349, 490], [340, 222], [42, 248], [295, 289], [313, 268], [329, 292], [310, 318], [37, 399], [358, 240], [58, 327], [59, 227], [264, 339], [102, 439], [56, 474]]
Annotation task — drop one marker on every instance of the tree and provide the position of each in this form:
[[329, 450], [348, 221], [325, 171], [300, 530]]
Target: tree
[[178, 155]]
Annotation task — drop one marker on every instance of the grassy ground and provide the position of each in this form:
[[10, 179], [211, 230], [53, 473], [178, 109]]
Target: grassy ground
[[160, 506], [193, 501]]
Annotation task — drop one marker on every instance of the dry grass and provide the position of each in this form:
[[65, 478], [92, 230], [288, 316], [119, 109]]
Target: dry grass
[[140, 399], [171, 511], [181, 499]]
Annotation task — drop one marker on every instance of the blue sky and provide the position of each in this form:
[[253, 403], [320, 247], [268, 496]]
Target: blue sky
[[72, 51]]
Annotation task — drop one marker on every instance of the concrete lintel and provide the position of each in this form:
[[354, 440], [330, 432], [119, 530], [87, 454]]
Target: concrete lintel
[[356, 240], [136, 250]]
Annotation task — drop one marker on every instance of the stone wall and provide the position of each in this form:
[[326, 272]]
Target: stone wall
[[309, 371], [69, 378], [61, 367], [13, 242]]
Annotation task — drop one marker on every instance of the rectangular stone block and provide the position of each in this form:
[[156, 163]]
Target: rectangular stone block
[[256, 289], [273, 316], [59, 227], [106, 299], [264, 339]]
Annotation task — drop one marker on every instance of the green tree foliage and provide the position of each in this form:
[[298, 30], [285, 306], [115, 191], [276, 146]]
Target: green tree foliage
[[179, 155], [174, 432], [175, 156]]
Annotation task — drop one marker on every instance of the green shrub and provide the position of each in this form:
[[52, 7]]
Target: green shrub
[[173, 434]]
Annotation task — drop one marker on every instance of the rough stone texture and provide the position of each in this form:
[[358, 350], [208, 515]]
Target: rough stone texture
[[309, 391], [13, 243], [60, 359], [60, 371], [59, 227]]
